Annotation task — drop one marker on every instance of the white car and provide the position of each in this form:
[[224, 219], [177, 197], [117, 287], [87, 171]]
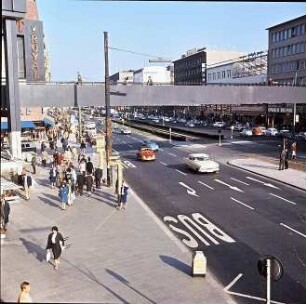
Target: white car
[[201, 162], [190, 124], [271, 132], [219, 124], [126, 131], [246, 132]]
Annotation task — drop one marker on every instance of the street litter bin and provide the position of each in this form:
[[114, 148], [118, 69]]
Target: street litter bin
[[199, 264]]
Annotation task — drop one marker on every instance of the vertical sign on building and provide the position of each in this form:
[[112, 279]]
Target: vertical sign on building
[[34, 49]]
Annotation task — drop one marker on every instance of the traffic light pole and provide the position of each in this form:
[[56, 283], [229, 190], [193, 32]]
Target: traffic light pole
[[108, 142]]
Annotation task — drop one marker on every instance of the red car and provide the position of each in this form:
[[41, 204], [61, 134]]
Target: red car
[[146, 154]]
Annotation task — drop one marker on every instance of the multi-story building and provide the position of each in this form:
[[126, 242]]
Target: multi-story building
[[287, 60], [190, 69], [248, 69], [153, 75], [122, 77]]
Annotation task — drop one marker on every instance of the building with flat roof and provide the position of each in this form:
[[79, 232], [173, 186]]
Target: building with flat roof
[[287, 60], [122, 77], [190, 69], [153, 75]]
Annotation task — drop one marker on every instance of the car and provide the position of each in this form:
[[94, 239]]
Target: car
[[285, 134], [126, 131], [190, 124], [246, 132], [156, 120], [271, 132], [239, 127], [28, 150], [300, 136], [117, 130], [146, 154], [151, 144], [201, 162], [219, 124]]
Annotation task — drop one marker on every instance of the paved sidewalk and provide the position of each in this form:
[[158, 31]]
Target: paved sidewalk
[[115, 256], [295, 178]]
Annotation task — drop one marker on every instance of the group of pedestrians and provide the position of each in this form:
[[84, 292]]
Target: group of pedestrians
[[284, 156]]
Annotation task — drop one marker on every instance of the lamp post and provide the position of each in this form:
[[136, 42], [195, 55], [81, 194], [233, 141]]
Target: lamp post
[[79, 82], [108, 142]]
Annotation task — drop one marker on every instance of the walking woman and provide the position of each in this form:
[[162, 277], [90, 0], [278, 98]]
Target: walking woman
[[63, 194], [55, 243]]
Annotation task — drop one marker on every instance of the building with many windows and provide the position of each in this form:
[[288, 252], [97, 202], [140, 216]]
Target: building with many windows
[[190, 69], [287, 60], [247, 69]]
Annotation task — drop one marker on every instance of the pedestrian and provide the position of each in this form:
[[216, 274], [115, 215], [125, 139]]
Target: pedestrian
[[82, 167], [65, 144], [89, 166], [44, 157], [83, 147], [282, 158], [34, 163], [123, 196], [80, 182], [63, 194], [24, 296], [4, 212], [52, 175], [56, 243], [293, 152], [89, 183], [27, 184], [98, 177], [74, 152], [287, 159], [43, 146]]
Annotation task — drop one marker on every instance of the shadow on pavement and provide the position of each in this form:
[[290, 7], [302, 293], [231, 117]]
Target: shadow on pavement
[[49, 202], [175, 263], [34, 249], [126, 283]]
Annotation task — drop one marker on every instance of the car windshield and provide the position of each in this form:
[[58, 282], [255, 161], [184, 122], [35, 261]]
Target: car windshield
[[199, 158]]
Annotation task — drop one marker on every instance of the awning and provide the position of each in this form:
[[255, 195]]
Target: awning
[[28, 125], [4, 125], [24, 125], [48, 122]]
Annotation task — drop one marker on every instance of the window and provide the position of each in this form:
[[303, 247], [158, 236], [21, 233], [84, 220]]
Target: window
[[302, 47], [281, 52], [282, 35], [273, 37], [277, 36], [289, 47], [289, 33], [303, 29], [277, 53], [229, 73], [297, 30], [285, 34], [293, 32], [21, 57], [219, 75], [293, 49], [285, 51], [223, 74]]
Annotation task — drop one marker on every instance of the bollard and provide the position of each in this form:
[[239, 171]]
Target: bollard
[[199, 264]]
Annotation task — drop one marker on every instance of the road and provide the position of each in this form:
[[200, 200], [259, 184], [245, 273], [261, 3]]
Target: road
[[234, 217]]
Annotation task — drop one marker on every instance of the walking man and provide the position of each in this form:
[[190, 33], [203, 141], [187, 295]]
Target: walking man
[[123, 196], [34, 162], [98, 177], [27, 184], [282, 159]]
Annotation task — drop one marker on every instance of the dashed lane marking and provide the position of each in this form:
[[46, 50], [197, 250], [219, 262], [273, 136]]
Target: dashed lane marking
[[290, 202], [300, 233], [206, 185], [172, 154], [237, 180], [180, 172], [163, 163], [242, 203]]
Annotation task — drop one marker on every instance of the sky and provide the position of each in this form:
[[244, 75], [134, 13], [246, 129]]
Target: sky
[[74, 31]]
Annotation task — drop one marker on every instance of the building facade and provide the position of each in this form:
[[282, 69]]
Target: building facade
[[248, 69], [122, 77], [190, 69], [153, 75], [287, 60]]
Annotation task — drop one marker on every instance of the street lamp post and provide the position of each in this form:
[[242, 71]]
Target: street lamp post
[[79, 82], [108, 142]]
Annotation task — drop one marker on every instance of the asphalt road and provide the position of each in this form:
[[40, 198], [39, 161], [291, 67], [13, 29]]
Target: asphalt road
[[231, 216]]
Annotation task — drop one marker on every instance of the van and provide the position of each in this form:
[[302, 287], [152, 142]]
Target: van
[[28, 149]]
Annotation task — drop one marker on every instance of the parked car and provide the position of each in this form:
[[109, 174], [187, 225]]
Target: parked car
[[151, 144], [28, 149], [201, 162], [156, 120], [219, 124], [285, 134], [300, 136], [126, 131], [271, 132], [146, 154], [189, 124], [239, 127], [246, 132]]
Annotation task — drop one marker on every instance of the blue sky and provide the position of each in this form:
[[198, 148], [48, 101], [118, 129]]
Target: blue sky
[[74, 31]]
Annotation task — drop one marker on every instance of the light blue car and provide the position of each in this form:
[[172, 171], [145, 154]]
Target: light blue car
[[151, 144]]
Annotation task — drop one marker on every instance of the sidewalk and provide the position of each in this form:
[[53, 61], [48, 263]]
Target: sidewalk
[[293, 177], [115, 256]]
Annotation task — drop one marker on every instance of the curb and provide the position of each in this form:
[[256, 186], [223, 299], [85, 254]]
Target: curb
[[277, 180]]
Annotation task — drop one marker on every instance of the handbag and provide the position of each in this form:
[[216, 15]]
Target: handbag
[[48, 255]]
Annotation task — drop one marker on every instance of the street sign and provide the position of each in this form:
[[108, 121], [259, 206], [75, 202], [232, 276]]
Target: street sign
[[276, 267]]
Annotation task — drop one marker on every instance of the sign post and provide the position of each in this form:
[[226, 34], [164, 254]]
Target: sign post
[[219, 132], [170, 134]]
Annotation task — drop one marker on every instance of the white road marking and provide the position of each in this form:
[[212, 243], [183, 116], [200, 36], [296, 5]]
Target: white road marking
[[172, 154], [264, 183], [233, 282], [237, 180], [189, 190], [245, 295], [180, 172], [231, 187], [293, 203], [206, 185], [129, 164], [163, 163], [242, 203], [293, 230]]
